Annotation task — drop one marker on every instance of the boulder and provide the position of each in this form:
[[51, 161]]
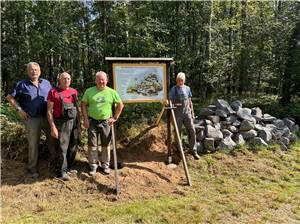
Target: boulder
[[259, 141], [246, 125], [200, 148], [279, 123], [217, 126], [288, 122], [245, 114], [271, 127], [257, 113], [286, 132], [267, 118], [214, 119], [285, 141], [212, 107], [277, 134], [209, 144], [231, 118], [221, 113], [226, 133], [238, 139], [237, 123], [223, 105], [259, 127], [206, 112], [294, 128], [248, 135], [212, 132], [198, 127], [208, 122], [265, 134], [233, 129], [200, 135], [227, 143], [235, 105]]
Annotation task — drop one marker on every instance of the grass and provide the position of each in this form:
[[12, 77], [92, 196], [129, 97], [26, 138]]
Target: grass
[[237, 187]]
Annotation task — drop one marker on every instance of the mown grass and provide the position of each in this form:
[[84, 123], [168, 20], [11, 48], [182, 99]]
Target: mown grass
[[240, 186]]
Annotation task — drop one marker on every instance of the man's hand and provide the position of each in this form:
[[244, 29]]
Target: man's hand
[[23, 115], [111, 121], [54, 132], [86, 123]]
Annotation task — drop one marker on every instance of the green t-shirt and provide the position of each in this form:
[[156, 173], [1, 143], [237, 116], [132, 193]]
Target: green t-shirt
[[100, 102]]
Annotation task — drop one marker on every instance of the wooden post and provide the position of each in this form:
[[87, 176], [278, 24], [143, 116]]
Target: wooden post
[[180, 146], [115, 160]]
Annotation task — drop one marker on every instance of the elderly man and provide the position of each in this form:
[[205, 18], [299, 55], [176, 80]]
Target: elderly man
[[29, 97], [64, 119], [181, 97], [98, 117]]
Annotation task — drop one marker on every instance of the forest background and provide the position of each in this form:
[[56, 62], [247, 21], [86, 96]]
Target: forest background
[[246, 50]]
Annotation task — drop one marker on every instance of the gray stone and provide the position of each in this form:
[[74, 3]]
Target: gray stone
[[221, 113], [271, 127], [200, 147], [217, 126], [231, 118], [248, 135], [227, 143], [294, 128], [226, 133], [265, 134], [202, 122], [238, 139], [235, 105], [209, 144], [257, 112], [267, 118], [212, 107], [233, 129], [288, 122], [237, 123], [223, 105], [283, 146], [279, 123], [259, 141], [246, 125], [208, 122], [259, 127], [245, 114], [277, 134], [200, 135], [214, 119], [198, 127], [206, 112], [293, 137], [285, 141], [286, 132], [212, 132]]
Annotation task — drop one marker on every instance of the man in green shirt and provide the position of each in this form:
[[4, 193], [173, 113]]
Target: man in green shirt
[[98, 118]]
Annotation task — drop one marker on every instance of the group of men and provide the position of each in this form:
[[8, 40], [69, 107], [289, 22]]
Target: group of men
[[55, 110]]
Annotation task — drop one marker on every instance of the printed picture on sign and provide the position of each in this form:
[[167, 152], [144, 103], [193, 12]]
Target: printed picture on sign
[[140, 82]]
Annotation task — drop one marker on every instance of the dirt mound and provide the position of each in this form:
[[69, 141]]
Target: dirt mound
[[143, 175]]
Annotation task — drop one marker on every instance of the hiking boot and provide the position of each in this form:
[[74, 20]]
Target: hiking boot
[[65, 176], [93, 171], [33, 173], [195, 155]]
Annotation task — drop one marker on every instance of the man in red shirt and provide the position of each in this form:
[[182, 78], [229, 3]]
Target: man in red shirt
[[64, 119]]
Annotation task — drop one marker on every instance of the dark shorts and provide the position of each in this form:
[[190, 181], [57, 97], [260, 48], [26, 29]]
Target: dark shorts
[[99, 128]]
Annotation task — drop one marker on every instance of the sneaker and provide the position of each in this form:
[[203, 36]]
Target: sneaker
[[72, 171], [195, 155], [65, 176], [105, 171]]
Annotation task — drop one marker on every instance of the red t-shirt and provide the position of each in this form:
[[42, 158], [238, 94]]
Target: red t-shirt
[[53, 96]]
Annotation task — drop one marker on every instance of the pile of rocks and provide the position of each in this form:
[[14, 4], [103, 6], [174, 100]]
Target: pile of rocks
[[224, 126]]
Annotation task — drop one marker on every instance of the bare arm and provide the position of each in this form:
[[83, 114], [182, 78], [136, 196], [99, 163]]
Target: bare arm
[[53, 129], [86, 122], [23, 115], [117, 114], [192, 108]]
